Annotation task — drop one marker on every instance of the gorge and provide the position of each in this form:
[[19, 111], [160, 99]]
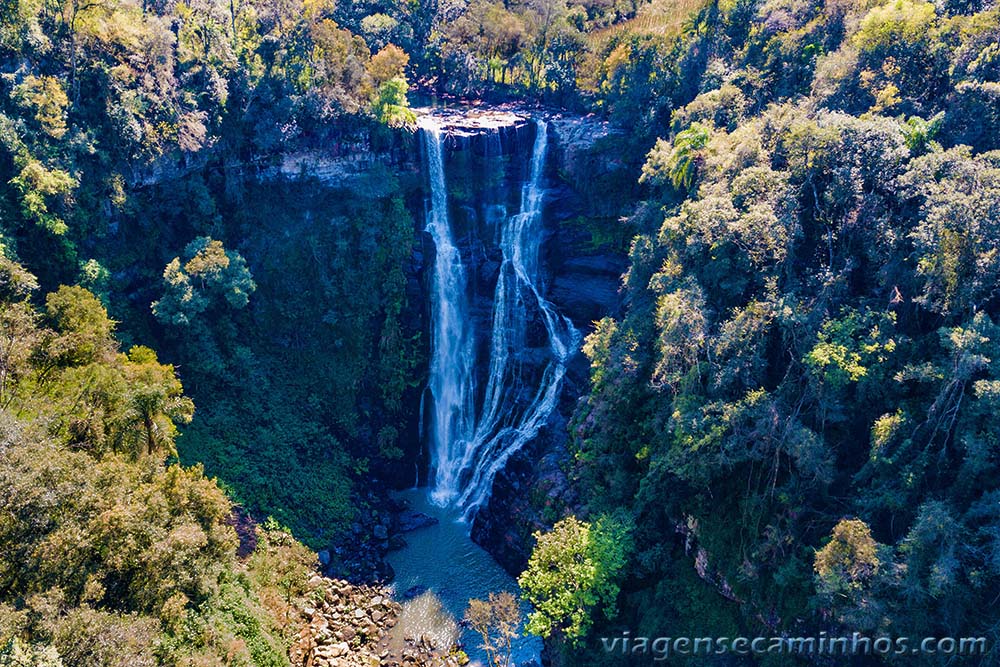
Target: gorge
[[499, 348], [317, 319], [470, 446]]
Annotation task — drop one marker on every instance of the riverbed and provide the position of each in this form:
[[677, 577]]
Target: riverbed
[[453, 569]]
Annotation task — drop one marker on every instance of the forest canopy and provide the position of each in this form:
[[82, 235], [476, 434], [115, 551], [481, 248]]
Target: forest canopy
[[792, 417]]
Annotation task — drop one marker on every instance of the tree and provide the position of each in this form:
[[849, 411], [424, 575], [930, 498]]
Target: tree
[[46, 97], [848, 570], [16, 654], [956, 238], [498, 622], [850, 559], [677, 161], [572, 572], [211, 275], [83, 328], [154, 405]]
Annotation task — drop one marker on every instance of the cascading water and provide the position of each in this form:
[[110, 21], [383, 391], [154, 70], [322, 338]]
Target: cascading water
[[470, 450], [453, 350]]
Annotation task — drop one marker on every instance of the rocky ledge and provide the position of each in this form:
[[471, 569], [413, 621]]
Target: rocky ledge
[[465, 121], [350, 626]]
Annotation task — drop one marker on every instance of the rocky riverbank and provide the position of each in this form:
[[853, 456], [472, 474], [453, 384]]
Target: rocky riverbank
[[379, 528], [346, 625]]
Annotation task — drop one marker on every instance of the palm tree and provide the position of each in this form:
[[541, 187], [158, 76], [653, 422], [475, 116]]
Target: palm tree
[[687, 154], [154, 404]]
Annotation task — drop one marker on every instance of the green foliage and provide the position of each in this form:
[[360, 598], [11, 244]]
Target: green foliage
[[809, 330], [209, 276], [677, 162], [387, 69], [46, 97], [315, 372], [390, 105], [16, 654], [113, 558], [844, 348], [597, 348], [954, 238], [573, 570], [849, 559], [920, 133]]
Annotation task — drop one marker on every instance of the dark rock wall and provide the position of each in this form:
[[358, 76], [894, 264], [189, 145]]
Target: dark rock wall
[[584, 256]]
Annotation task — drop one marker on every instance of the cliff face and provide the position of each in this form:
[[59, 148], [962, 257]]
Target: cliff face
[[583, 255]]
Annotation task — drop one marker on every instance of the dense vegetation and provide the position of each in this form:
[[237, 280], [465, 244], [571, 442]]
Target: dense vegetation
[[791, 421], [797, 408], [110, 556], [132, 133]]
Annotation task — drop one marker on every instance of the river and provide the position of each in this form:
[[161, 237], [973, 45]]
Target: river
[[454, 569]]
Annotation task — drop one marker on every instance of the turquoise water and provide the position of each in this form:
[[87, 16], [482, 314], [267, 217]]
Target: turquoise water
[[454, 569]]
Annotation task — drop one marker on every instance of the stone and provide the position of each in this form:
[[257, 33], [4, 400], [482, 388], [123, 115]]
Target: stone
[[380, 532], [410, 520]]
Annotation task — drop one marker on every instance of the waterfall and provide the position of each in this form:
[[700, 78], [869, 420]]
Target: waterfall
[[452, 345], [472, 450]]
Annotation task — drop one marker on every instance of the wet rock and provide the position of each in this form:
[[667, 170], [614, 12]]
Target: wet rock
[[529, 494], [410, 520]]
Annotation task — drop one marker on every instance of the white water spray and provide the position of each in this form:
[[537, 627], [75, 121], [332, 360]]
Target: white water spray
[[470, 451], [453, 350]]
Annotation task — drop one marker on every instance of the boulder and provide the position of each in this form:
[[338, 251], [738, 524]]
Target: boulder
[[410, 520]]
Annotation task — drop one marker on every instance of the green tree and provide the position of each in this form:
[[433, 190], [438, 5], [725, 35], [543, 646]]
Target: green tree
[[154, 405], [16, 654], [677, 161], [209, 276], [572, 572], [82, 327]]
